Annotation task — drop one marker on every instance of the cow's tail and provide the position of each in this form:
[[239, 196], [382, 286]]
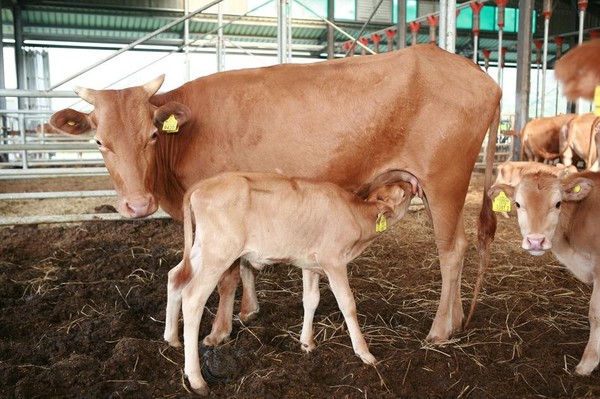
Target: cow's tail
[[595, 124], [487, 217], [185, 271]]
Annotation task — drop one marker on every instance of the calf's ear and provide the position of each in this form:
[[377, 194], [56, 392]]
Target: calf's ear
[[496, 189], [71, 122], [177, 114], [576, 188]]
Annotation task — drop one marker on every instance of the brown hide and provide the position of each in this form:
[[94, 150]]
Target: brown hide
[[580, 140], [579, 70], [421, 109], [540, 137]]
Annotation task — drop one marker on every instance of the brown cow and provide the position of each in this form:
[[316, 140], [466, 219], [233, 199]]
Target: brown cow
[[540, 138], [578, 139], [579, 70], [420, 109], [561, 215], [318, 226]]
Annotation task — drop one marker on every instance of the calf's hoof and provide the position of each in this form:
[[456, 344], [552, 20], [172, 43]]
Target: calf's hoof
[[367, 358], [585, 370], [215, 339], [250, 315], [307, 346], [200, 390]]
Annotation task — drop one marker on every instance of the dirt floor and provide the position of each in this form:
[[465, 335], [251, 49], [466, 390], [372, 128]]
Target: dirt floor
[[83, 307]]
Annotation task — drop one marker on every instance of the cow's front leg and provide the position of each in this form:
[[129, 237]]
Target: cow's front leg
[[449, 315], [591, 355], [171, 334], [310, 300]]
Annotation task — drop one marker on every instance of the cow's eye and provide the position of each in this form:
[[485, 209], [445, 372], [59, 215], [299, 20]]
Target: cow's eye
[[517, 204], [154, 136], [558, 205], [99, 143]]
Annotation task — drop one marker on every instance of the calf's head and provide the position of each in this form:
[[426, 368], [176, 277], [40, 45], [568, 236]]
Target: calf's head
[[392, 199], [127, 129], [539, 198]]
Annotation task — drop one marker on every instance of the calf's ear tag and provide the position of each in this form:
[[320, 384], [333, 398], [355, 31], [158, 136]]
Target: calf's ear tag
[[576, 189], [170, 125], [71, 123], [380, 223], [501, 203]]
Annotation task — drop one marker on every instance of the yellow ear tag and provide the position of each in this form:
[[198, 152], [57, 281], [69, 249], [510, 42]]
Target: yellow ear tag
[[597, 101], [71, 123], [576, 189], [380, 223], [170, 125], [501, 203]]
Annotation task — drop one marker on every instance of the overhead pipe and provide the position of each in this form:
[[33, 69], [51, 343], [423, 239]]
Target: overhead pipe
[[433, 21], [538, 61], [486, 59], [139, 41], [414, 30], [376, 37], [390, 34]]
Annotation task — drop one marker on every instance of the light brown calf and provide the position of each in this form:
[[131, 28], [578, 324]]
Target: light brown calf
[[269, 218], [561, 215]]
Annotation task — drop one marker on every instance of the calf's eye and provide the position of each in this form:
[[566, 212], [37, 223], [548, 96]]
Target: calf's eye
[[99, 143], [558, 205], [517, 204]]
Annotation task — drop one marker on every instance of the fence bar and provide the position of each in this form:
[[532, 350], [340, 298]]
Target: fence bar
[[91, 217], [57, 194]]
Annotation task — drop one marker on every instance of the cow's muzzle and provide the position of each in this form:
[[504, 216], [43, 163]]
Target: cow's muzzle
[[536, 244], [137, 206]]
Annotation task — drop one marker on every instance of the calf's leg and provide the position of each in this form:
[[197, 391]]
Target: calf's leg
[[310, 300], [250, 306], [591, 355], [338, 280], [222, 325], [171, 334]]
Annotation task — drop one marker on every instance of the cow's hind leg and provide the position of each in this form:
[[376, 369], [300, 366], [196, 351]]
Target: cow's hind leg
[[310, 300], [338, 280], [171, 334], [452, 244], [591, 355]]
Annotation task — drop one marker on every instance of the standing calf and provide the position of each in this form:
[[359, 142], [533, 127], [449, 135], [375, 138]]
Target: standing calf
[[561, 215], [268, 218]]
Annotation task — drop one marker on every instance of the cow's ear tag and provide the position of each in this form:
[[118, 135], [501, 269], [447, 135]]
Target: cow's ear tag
[[170, 125], [501, 203], [71, 123], [597, 101], [380, 223], [576, 189]]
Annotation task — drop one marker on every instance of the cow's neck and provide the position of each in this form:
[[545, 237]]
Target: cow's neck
[[168, 187]]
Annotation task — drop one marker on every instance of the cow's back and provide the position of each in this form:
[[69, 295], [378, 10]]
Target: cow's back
[[344, 121]]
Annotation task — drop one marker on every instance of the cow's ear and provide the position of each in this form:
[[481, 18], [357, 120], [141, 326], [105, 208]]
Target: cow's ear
[[72, 122], [496, 189], [171, 116], [576, 188]]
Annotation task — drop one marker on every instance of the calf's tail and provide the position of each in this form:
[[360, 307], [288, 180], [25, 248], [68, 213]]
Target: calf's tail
[[185, 271], [487, 217]]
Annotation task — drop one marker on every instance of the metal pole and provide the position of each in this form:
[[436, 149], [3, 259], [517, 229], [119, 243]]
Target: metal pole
[[547, 14], [219, 38], [582, 7], [281, 31], [186, 40], [139, 41], [289, 32], [451, 26], [401, 24], [330, 33], [442, 23], [19, 56], [523, 71]]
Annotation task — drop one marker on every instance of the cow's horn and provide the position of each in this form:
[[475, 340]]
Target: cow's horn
[[152, 86], [85, 94]]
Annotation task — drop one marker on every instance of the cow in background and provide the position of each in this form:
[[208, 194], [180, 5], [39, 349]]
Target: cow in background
[[578, 139], [579, 71], [346, 121], [561, 215], [540, 138]]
